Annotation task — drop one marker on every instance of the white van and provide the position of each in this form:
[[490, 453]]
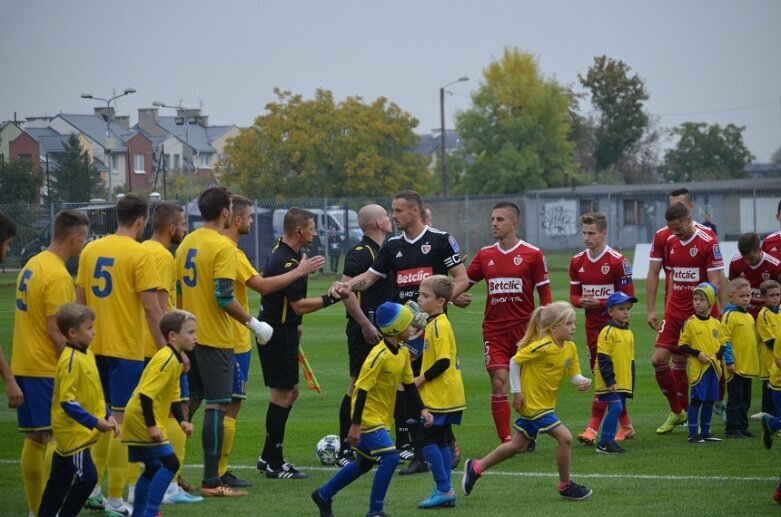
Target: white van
[[334, 216]]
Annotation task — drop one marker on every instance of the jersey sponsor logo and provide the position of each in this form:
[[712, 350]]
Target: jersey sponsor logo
[[693, 252], [600, 292], [505, 285], [414, 276], [605, 269], [716, 252], [686, 274], [425, 249], [517, 260], [453, 243], [756, 294]]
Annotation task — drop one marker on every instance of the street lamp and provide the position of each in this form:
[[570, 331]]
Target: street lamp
[[442, 135], [186, 123], [109, 139]]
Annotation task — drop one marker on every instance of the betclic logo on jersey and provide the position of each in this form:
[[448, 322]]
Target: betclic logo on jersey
[[501, 285], [413, 276], [686, 274], [599, 292]]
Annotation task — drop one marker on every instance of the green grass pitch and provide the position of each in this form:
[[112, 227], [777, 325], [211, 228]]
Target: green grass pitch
[[659, 475]]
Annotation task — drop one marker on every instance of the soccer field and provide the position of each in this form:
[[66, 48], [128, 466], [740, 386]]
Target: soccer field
[[659, 475]]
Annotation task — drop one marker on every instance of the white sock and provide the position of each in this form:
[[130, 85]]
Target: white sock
[[116, 503], [95, 492]]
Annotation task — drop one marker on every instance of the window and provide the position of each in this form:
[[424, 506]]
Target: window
[[176, 162], [205, 160], [114, 164], [138, 164], [633, 211], [167, 161]]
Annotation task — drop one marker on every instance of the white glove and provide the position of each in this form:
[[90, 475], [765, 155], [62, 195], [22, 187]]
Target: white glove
[[419, 319], [261, 329]]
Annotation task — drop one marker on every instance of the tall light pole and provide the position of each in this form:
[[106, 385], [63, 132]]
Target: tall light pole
[[109, 139], [445, 177], [186, 122]]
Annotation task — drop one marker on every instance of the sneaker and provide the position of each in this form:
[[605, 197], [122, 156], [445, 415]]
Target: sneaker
[[757, 416], [121, 509], [97, 502], [609, 448], [710, 438], [406, 453], [532, 446], [262, 465], [455, 455], [683, 418], [747, 433], [575, 492], [439, 500], [222, 491], [625, 433], [325, 506], [588, 437], [285, 471], [181, 497], [414, 467], [186, 485], [696, 439], [673, 419], [343, 461], [234, 482], [470, 477], [131, 494], [767, 433], [735, 435]]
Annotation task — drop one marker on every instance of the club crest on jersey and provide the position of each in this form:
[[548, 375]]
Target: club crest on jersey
[[715, 333], [517, 260], [765, 276], [425, 249], [605, 269], [567, 363], [693, 252], [716, 252], [453, 243]]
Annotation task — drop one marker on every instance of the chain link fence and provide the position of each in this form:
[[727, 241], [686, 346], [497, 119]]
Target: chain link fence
[[549, 219]]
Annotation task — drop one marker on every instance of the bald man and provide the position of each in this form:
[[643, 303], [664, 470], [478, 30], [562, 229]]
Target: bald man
[[362, 335]]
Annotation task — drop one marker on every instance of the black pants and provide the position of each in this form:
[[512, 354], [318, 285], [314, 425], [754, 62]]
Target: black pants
[[335, 261], [738, 403], [62, 487], [767, 399]]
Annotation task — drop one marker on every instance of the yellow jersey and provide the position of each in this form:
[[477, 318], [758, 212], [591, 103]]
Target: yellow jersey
[[768, 327], [113, 271], [382, 372], [244, 272], [701, 334], [775, 372], [159, 382], [203, 257], [619, 344], [164, 263], [738, 328], [445, 392], [77, 383], [42, 287], [543, 366]]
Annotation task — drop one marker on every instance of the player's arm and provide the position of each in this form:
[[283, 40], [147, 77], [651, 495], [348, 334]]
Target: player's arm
[[15, 395], [55, 335], [312, 304], [153, 314], [81, 295], [575, 286], [460, 284], [716, 277], [651, 285], [542, 280], [223, 292], [359, 283], [370, 333], [267, 285]]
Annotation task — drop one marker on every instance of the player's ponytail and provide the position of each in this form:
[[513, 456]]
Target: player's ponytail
[[543, 318]]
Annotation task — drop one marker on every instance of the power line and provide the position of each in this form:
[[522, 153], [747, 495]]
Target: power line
[[740, 108]]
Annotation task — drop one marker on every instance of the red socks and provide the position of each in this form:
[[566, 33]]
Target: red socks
[[598, 409], [666, 381], [500, 411], [681, 384]]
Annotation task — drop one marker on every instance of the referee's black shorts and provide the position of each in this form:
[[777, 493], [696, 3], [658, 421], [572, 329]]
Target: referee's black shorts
[[357, 347], [279, 358]]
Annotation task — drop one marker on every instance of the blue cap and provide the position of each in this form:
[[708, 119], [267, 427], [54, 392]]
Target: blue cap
[[392, 318], [618, 298]]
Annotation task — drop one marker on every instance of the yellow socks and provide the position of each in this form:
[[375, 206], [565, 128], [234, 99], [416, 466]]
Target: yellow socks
[[229, 433], [117, 467], [100, 453], [33, 472], [177, 438]]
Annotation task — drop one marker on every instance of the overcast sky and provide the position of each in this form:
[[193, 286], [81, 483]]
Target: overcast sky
[[713, 61]]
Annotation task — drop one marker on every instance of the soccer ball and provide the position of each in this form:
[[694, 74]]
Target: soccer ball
[[328, 449]]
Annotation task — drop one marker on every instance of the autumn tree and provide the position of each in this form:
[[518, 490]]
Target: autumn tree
[[515, 135], [619, 120], [707, 152], [319, 147]]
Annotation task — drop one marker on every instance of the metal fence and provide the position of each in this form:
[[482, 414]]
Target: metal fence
[[549, 219]]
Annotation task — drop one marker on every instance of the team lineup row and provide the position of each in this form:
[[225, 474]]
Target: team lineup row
[[131, 285]]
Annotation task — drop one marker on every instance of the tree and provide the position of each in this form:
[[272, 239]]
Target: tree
[[76, 179], [20, 182], [322, 148], [776, 156], [515, 135], [707, 152], [620, 121]]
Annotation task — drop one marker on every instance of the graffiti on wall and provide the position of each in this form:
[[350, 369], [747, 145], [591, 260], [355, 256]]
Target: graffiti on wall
[[559, 218]]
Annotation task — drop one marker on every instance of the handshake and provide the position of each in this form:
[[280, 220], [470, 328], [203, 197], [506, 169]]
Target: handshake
[[261, 329]]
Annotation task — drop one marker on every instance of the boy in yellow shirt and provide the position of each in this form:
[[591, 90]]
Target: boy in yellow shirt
[[79, 415], [157, 394], [768, 328]]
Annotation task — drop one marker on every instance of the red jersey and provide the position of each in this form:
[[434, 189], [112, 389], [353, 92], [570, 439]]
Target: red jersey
[[687, 263], [599, 278], [511, 275], [772, 244], [769, 268], [659, 244]]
